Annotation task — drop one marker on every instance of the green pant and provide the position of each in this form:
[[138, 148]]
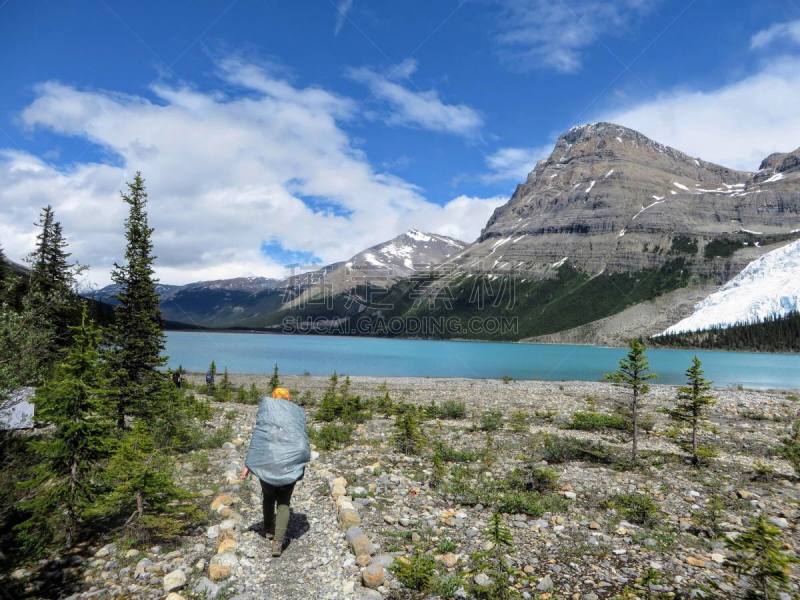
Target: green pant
[[270, 494]]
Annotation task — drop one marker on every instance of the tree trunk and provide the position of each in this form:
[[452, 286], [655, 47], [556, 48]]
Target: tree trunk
[[139, 504], [695, 460], [635, 415], [73, 483]]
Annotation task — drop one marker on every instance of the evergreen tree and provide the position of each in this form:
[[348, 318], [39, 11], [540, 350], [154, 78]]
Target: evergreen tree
[[141, 487], [51, 284], [75, 400], [275, 380], [408, 436], [693, 400], [137, 334], [38, 258], [225, 386], [633, 373], [758, 555]]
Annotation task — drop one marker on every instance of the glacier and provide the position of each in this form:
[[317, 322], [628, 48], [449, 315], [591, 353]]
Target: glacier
[[768, 286]]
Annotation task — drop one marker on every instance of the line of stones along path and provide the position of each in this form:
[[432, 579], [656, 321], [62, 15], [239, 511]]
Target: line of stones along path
[[315, 564]]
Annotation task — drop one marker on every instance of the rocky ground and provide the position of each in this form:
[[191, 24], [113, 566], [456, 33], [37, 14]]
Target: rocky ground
[[370, 521]]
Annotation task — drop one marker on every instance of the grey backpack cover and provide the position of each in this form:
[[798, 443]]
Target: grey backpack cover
[[279, 449]]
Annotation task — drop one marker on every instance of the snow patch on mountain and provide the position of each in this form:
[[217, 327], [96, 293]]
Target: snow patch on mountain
[[768, 286]]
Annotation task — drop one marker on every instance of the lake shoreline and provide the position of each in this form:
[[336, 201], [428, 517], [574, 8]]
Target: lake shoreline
[[462, 388], [523, 341]]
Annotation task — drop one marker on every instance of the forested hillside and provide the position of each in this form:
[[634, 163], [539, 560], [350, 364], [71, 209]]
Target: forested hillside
[[774, 334]]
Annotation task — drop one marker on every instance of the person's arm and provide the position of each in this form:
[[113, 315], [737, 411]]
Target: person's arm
[[245, 472]]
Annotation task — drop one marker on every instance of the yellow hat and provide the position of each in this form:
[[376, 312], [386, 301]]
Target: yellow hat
[[281, 393]]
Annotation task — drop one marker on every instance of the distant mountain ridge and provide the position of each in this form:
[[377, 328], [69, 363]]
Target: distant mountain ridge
[[249, 301]]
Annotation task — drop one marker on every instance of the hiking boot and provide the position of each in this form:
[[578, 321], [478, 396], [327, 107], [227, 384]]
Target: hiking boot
[[277, 548]]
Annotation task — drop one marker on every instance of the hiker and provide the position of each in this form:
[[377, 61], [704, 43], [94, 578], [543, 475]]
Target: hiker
[[177, 378], [278, 453], [210, 378]]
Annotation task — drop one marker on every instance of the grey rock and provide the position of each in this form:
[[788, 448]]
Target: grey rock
[[206, 588], [545, 584], [174, 580]]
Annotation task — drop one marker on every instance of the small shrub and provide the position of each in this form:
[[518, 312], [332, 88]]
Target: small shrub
[[452, 409], [339, 404], [216, 438], [790, 447], [445, 586], [532, 479], [593, 421], [759, 555], [449, 454], [199, 461], [507, 379], [518, 421], [306, 399], [491, 420], [560, 449], [417, 572], [383, 403], [446, 545], [706, 453], [530, 503], [331, 436], [636, 508], [762, 471], [408, 436], [708, 518]]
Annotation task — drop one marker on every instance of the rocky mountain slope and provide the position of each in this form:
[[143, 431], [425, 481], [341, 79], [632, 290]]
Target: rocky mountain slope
[[611, 222], [377, 267], [609, 199]]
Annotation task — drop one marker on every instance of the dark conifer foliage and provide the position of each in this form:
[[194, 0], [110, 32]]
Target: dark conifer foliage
[[137, 333], [51, 287], [75, 400], [693, 400], [773, 334], [633, 373]]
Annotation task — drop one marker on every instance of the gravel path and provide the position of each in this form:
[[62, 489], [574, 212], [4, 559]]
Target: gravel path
[[311, 566]]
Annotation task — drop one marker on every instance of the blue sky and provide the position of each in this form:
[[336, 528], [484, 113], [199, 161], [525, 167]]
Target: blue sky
[[274, 130]]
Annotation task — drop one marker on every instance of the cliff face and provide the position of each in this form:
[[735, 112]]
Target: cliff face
[[608, 199]]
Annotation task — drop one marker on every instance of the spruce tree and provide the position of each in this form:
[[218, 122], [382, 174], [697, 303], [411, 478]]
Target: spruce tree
[[137, 333], [38, 258], [75, 401], [633, 373], [51, 294], [693, 400], [140, 482], [275, 380], [758, 554]]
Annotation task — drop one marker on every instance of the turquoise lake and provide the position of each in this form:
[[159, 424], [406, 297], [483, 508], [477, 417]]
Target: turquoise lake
[[321, 355]]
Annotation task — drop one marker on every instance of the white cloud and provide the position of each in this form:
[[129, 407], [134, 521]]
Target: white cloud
[[735, 125], [225, 174], [415, 108], [514, 164], [554, 33], [789, 31], [342, 8]]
